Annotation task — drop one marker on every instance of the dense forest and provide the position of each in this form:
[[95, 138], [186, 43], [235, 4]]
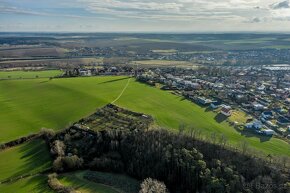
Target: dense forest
[[183, 163]]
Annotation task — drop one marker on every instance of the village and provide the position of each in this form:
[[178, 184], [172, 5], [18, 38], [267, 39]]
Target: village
[[210, 57], [262, 94]]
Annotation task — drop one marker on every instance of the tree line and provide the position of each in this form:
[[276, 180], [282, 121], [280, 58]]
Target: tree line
[[183, 163]]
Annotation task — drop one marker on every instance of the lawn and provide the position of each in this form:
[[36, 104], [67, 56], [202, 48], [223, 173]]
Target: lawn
[[28, 105], [28, 74], [83, 185], [239, 116], [29, 158], [36, 184], [162, 63], [278, 47]]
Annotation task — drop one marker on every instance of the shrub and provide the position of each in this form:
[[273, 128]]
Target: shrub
[[150, 185]]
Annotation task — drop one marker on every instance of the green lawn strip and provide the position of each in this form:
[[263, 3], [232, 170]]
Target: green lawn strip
[[29, 74], [123, 183], [26, 159], [35, 184], [77, 181]]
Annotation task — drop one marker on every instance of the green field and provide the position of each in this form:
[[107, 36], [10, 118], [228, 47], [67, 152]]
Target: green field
[[77, 181], [36, 184], [28, 105], [162, 63], [29, 158], [28, 74]]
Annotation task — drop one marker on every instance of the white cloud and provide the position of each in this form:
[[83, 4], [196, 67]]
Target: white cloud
[[174, 9], [158, 14], [281, 5]]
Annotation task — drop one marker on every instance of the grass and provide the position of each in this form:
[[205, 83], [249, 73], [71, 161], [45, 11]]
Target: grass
[[165, 51], [29, 158], [55, 62], [83, 185], [28, 74], [28, 105], [36, 184], [163, 63], [278, 47], [239, 116]]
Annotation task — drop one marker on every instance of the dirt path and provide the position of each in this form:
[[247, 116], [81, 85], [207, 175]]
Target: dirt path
[[124, 89]]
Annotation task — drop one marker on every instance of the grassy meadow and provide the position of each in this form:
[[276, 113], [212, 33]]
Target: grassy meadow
[[35, 184], [29, 158], [28, 74], [29, 105], [83, 185], [163, 63]]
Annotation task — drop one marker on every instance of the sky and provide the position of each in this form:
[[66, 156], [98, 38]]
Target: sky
[[145, 15]]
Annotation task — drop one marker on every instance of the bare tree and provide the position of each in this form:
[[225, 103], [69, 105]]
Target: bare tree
[[191, 130], [223, 140], [244, 146], [181, 128], [150, 185]]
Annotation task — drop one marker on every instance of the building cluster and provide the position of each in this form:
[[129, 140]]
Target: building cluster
[[212, 57], [99, 70], [262, 93]]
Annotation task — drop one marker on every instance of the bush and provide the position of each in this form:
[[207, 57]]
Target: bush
[[150, 185], [55, 184], [47, 133]]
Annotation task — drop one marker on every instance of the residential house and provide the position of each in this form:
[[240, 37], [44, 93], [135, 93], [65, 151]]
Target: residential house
[[268, 132], [267, 115], [226, 110], [256, 124], [203, 101], [215, 104]]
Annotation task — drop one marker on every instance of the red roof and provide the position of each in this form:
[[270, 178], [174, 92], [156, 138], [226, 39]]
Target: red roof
[[225, 110]]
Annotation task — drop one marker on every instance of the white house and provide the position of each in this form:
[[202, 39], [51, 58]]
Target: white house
[[258, 106], [268, 132]]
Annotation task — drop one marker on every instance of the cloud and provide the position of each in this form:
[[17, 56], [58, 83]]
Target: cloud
[[280, 11], [281, 5], [147, 14], [172, 9], [15, 10], [256, 20], [21, 11]]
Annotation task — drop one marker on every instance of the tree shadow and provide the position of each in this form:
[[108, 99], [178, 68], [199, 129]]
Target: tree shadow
[[45, 81], [183, 98], [207, 109], [115, 80], [220, 118], [35, 158], [247, 133], [41, 185]]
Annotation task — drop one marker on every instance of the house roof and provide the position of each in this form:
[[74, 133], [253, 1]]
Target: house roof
[[226, 110]]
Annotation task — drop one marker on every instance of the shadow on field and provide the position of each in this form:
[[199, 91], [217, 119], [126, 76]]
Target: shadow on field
[[220, 118], [207, 109], [36, 158], [41, 184], [45, 81], [115, 80], [247, 133]]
